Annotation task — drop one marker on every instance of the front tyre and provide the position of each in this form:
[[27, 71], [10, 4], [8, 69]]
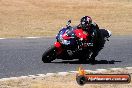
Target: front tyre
[[49, 55]]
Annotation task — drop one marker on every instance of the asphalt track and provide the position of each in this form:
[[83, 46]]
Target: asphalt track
[[20, 57]]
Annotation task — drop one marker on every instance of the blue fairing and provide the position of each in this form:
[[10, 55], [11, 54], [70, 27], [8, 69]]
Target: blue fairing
[[70, 33], [61, 32]]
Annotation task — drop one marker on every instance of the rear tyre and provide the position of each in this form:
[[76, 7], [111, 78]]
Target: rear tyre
[[49, 55]]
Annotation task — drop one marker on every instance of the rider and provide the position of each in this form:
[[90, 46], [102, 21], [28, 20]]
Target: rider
[[90, 27]]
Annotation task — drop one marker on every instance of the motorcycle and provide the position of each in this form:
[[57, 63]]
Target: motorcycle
[[71, 44]]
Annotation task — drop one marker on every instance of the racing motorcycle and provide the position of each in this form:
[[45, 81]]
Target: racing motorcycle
[[71, 45]]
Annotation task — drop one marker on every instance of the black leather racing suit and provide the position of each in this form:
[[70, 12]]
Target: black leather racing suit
[[95, 38]]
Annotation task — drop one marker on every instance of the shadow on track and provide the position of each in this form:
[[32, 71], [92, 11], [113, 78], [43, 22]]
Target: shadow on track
[[87, 62]]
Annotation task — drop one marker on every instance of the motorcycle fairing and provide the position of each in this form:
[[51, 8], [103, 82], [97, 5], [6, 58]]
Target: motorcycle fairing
[[81, 34], [66, 36]]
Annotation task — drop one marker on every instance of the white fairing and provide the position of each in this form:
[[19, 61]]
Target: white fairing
[[109, 32]]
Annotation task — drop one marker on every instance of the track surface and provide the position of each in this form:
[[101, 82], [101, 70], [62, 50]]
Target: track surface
[[20, 57]]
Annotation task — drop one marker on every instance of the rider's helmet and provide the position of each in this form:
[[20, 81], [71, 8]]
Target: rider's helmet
[[85, 22]]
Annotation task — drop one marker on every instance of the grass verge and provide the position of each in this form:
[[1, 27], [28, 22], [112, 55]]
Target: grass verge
[[57, 81]]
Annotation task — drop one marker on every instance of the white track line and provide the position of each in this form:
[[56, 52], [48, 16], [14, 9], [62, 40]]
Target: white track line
[[63, 73], [2, 38], [29, 37], [32, 37], [128, 67], [115, 68], [50, 74]]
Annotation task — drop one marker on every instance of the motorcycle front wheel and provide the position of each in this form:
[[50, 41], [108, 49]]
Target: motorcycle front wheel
[[49, 55]]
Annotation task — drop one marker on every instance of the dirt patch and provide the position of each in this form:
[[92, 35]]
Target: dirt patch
[[57, 81], [19, 18]]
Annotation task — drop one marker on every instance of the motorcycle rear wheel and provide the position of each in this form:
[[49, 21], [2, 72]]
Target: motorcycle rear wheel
[[49, 55]]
